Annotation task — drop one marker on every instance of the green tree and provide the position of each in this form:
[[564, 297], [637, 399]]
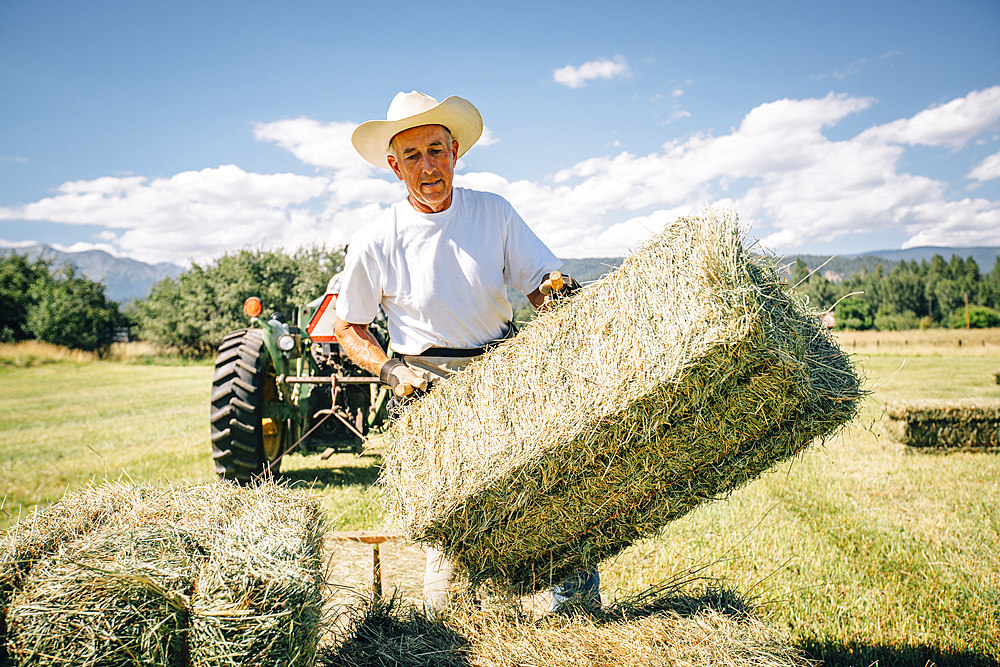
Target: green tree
[[903, 290], [949, 295], [853, 313], [990, 287], [73, 311], [17, 277], [197, 309]]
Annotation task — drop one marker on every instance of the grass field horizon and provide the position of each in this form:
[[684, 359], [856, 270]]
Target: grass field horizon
[[864, 550]]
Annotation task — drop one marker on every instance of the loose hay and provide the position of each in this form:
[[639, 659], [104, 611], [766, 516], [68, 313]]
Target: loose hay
[[131, 575], [684, 374], [971, 423], [661, 627]]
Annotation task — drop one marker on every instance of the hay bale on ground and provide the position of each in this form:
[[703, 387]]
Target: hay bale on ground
[[202, 575], [258, 598], [118, 598], [661, 627], [672, 381], [969, 423]]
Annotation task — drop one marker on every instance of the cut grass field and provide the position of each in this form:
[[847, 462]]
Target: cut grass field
[[864, 550]]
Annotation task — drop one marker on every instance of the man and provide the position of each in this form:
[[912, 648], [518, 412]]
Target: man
[[438, 263]]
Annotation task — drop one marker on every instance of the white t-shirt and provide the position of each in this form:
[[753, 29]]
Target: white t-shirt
[[440, 277]]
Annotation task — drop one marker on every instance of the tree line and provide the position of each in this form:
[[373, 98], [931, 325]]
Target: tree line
[[191, 313], [194, 311], [909, 296], [54, 304]]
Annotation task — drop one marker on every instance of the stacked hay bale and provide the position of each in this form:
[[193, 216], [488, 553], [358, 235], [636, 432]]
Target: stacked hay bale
[[129, 575], [971, 423], [672, 381]]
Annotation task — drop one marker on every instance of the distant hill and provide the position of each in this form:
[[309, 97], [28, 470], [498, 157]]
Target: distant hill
[[840, 267], [985, 257], [125, 279]]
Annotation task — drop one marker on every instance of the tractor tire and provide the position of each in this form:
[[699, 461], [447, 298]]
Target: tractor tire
[[247, 435]]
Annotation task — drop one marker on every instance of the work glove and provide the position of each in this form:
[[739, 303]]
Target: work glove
[[558, 286], [401, 378]]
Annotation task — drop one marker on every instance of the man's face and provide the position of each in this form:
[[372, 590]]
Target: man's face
[[424, 159]]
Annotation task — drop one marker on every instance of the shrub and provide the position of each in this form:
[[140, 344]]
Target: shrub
[[887, 319], [980, 317], [853, 313]]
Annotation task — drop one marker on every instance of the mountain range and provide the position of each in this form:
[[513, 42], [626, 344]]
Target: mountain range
[[127, 279]]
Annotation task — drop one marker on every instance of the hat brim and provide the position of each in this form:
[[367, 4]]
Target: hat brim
[[371, 139]]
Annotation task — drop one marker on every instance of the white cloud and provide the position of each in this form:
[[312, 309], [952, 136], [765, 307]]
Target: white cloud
[[853, 68], [191, 215], [315, 143], [577, 77], [800, 186], [951, 124], [969, 222], [987, 169], [4, 243], [677, 92], [488, 138], [676, 115]]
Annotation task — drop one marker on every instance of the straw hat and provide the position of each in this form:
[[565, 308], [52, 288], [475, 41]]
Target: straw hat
[[413, 109]]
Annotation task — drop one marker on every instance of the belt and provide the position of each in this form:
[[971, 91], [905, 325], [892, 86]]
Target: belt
[[452, 352]]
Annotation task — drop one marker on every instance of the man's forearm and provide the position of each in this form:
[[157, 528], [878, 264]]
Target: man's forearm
[[360, 345]]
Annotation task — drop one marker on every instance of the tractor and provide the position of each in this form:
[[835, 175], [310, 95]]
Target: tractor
[[279, 388]]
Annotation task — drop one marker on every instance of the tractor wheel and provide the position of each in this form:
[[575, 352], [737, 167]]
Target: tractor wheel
[[247, 430]]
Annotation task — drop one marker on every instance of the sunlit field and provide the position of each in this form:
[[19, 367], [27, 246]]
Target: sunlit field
[[863, 550]]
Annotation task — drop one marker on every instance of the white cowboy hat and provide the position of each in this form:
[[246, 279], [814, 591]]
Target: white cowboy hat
[[413, 109]]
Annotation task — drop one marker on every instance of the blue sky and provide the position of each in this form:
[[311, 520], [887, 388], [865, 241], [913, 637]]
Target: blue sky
[[179, 131]]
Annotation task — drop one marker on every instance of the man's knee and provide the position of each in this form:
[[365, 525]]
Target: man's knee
[[438, 577]]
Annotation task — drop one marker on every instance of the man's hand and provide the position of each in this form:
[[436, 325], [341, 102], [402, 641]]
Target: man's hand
[[401, 377], [555, 286]]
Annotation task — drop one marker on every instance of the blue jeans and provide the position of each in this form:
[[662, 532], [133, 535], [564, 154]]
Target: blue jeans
[[584, 585]]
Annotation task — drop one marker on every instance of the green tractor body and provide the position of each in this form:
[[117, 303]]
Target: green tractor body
[[280, 388]]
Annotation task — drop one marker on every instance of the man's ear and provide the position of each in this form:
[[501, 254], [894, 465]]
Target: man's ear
[[391, 159], [454, 150]]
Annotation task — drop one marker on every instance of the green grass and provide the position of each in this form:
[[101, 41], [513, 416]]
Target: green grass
[[865, 551], [63, 425]]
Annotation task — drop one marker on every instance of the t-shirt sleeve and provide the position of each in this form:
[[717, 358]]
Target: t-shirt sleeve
[[360, 287], [527, 259]]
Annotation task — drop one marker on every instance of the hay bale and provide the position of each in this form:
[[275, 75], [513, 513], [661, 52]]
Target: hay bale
[[969, 423], [201, 575], [672, 381], [258, 597], [116, 598]]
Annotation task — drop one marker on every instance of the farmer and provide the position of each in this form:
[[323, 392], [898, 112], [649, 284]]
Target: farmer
[[438, 263]]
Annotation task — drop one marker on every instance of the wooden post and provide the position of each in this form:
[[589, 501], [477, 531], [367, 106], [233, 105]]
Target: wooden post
[[376, 574], [374, 538]]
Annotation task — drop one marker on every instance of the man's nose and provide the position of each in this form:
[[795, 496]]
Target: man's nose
[[427, 164]]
